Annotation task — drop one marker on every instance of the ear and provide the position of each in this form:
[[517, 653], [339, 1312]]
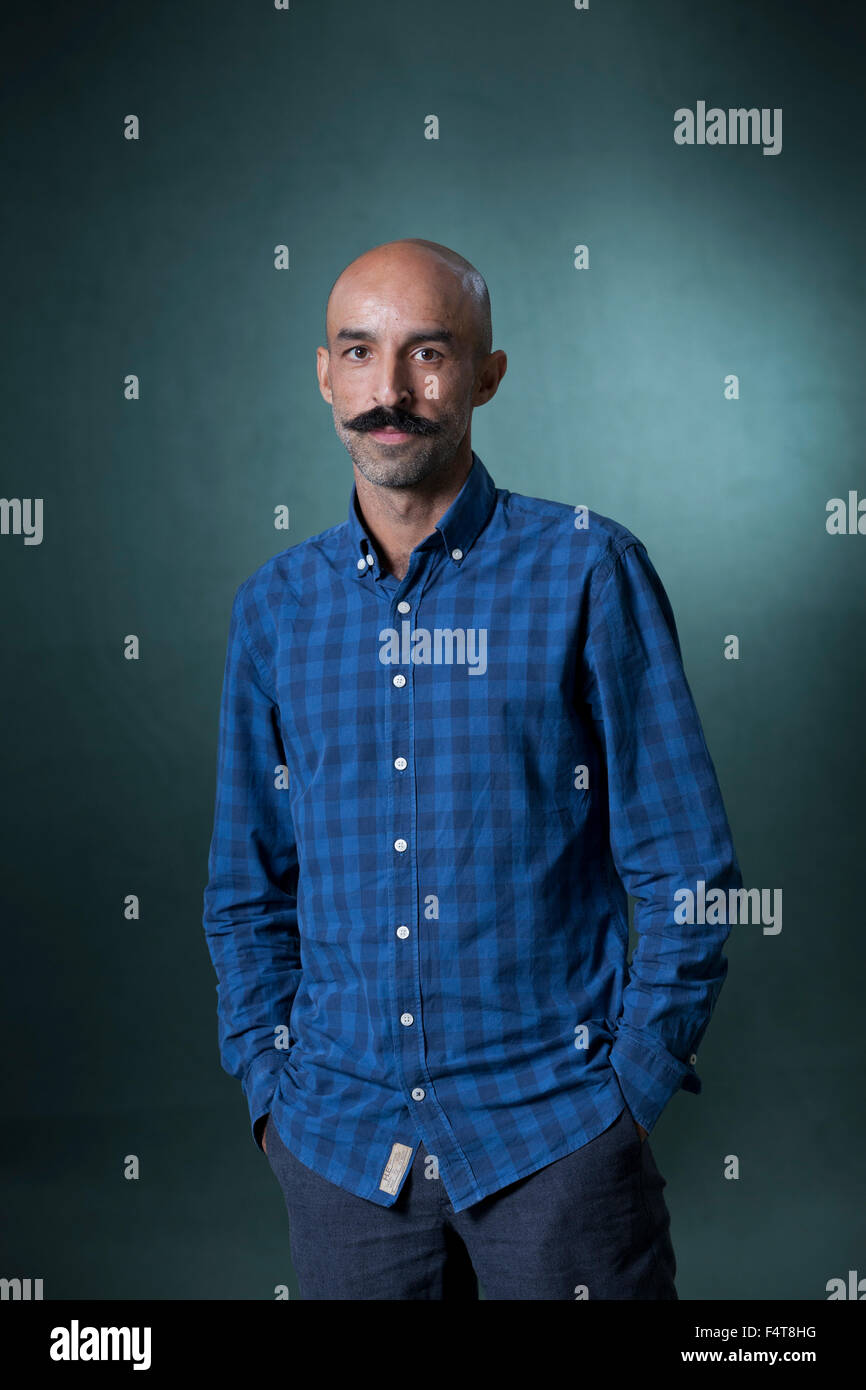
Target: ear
[[323, 365]]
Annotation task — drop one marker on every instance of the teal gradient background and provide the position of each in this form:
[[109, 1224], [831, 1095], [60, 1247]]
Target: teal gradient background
[[155, 257]]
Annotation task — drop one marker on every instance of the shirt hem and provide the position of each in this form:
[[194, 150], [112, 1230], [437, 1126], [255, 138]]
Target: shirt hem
[[562, 1150], [613, 1102]]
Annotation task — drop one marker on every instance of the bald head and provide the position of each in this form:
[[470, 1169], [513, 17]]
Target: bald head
[[448, 273], [408, 359]]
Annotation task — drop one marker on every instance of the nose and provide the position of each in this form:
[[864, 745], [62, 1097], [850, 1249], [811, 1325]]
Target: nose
[[392, 387]]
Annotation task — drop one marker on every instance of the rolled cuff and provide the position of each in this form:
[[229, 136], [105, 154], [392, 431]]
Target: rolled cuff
[[259, 1087], [648, 1074]]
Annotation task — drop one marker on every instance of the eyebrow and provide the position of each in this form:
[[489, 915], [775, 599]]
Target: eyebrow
[[437, 335]]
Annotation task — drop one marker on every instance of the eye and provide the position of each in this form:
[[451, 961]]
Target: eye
[[435, 351], [358, 348]]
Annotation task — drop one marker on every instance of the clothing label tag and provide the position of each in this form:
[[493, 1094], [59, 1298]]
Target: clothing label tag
[[395, 1168]]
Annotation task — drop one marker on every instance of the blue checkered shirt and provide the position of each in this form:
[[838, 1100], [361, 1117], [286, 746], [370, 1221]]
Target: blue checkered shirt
[[433, 797]]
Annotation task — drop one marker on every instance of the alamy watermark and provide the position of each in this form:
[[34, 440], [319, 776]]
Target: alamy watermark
[[760, 906], [439, 646], [738, 125]]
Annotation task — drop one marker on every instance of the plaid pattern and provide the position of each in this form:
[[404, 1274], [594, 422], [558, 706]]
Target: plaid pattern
[[416, 905]]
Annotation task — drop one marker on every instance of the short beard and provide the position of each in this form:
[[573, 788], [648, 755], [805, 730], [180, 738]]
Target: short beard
[[428, 456]]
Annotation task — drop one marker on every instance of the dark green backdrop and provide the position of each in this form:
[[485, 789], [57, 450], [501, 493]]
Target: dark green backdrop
[[156, 257]]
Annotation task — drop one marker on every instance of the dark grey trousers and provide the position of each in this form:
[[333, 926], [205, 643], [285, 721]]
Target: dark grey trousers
[[593, 1224]]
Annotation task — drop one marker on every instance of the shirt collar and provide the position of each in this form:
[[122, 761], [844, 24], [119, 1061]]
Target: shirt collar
[[457, 529]]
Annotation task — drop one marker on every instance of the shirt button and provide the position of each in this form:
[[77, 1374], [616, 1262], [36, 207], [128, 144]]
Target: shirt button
[[692, 1060], [456, 554], [400, 845], [362, 563], [407, 1020], [399, 763], [403, 606], [402, 932], [418, 1093], [399, 680], [370, 559]]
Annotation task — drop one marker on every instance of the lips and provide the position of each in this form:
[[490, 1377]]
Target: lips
[[391, 436]]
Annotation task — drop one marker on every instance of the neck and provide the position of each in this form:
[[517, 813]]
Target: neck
[[398, 519]]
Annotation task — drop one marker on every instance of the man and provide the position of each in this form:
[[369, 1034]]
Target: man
[[455, 732]]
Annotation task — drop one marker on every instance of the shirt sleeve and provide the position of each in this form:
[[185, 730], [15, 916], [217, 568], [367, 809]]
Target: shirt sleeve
[[250, 901], [668, 830]]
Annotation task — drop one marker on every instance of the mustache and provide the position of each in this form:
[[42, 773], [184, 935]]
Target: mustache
[[379, 419]]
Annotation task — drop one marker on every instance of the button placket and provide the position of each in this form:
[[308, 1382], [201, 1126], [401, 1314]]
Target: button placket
[[404, 894], [405, 897], [404, 903]]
